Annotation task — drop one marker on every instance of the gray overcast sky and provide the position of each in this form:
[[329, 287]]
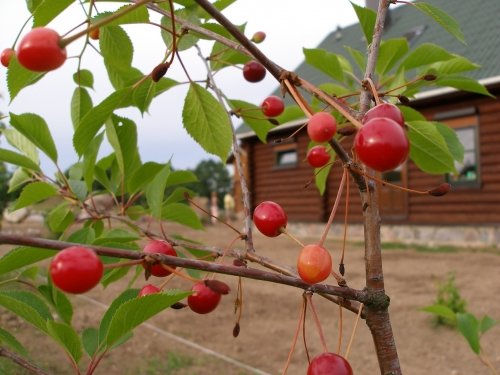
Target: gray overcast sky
[[289, 26]]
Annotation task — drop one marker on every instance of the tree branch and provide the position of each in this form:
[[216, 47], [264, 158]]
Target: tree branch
[[16, 358]]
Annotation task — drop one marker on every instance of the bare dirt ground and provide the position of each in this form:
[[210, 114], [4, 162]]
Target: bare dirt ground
[[271, 311]]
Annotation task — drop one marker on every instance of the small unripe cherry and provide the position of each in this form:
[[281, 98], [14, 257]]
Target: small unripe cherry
[[321, 127], [94, 34], [148, 289], [154, 247], [270, 218], [258, 37], [387, 110], [6, 55], [40, 51], [318, 156], [272, 106], [314, 264], [329, 363], [254, 71], [203, 300]]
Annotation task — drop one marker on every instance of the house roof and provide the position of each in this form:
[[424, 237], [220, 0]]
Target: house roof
[[479, 21]]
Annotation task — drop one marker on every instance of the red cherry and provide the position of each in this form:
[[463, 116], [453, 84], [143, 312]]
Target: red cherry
[[159, 247], [254, 71], [321, 127], [272, 106], [76, 269], [314, 264], [204, 299], [269, 218], [318, 156], [259, 37], [148, 289], [94, 34], [40, 51], [382, 144], [6, 56], [329, 363], [387, 110]]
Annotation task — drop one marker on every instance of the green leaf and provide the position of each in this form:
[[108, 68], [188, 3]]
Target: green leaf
[[182, 214], [34, 193], [458, 64], [95, 118], [116, 46], [463, 83], [138, 15], [27, 306], [452, 141], [179, 195], [89, 160], [156, 191], [60, 218], [443, 18], [67, 337], [390, 52], [23, 144], [206, 120], [249, 112], [136, 311], [7, 339], [20, 257], [81, 103], [441, 311], [122, 135], [367, 18], [78, 188], [428, 149], [90, 340], [83, 236], [48, 10], [19, 77], [221, 57], [188, 40], [125, 296], [143, 175], [84, 78], [12, 157], [469, 327], [36, 130], [358, 57], [181, 177], [144, 94], [58, 299], [325, 62], [425, 54], [117, 235], [410, 114], [487, 323]]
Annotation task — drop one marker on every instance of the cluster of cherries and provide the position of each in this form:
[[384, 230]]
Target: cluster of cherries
[[78, 269]]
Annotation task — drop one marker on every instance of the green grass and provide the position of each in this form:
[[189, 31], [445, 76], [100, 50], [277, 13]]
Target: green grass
[[171, 364], [438, 248]]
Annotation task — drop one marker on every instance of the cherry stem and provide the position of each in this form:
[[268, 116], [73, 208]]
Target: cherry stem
[[110, 266], [373, 90], [346, 224], [341, 320], [178, 273], [334, 209], [299, 99], [295, 336], [316, 320], [289, 235], [351, 340], [64, 42], [487, 362]]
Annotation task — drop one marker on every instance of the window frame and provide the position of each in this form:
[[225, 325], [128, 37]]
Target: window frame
[[283, 148]]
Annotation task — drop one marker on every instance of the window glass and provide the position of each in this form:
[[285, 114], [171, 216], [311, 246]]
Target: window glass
[[286, 157], [468, 169]]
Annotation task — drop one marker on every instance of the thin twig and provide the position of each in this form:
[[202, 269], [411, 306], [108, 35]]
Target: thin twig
[[16, 358]]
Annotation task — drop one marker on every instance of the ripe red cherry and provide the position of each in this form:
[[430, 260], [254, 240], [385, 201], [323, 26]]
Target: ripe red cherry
[[318, 156], [270, 218], [155, 247], [321, 127], [387, 110], [148, 289], [253, 71], [76, 269], [314, 264], [329, 363], [382, 144], [203, 300], [6, 56], [40, 51], [272, 106]]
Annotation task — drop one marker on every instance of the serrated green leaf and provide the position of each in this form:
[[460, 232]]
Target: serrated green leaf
[[136, 311], [138, 15], [143, 94], [411, 114], [78, 188], [487, 323], [19, 77], [116, 46], [367, 18], [390, 52], [84, 78], [81, 103], [8, 339], [468, 326], [463, 83], [113, 275], [325, 62], [155, 192], [47, 10], [221, 57], [125, 296], [443, 18], [358, 57], [425, 54], [27, 306], [452, 141], [19, 178], [179, 195], [20, 257], [90, 340], [250, 113], [458, 64], [207, 122], [12, 157], [182, 214], [125, 145], [60, 301], [441, 311], [188, 40], [22, 143], [95, 118], [143, 175], [120, 236], [67, 337], [82, 236], [34, 193], [89, 160], [428, 149], [181, 177], [60, 218], [37, 131]]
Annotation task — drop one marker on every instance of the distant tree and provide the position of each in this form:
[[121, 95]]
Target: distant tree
[[212, 176]]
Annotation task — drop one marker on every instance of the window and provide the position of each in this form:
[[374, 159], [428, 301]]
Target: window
[[286, 155]]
